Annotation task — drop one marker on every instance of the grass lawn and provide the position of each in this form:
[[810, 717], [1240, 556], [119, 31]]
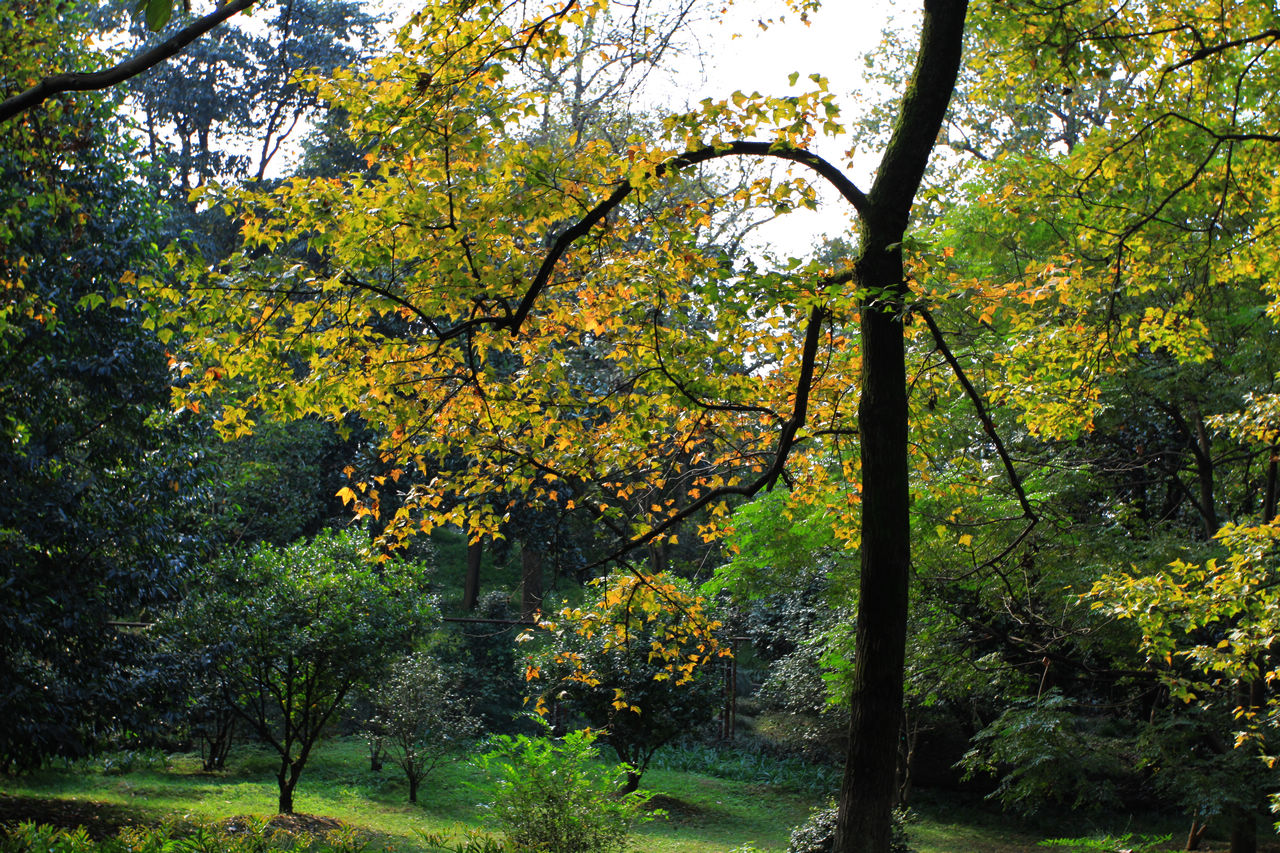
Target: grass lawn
[[704, 814]]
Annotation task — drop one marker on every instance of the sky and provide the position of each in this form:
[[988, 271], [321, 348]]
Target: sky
[[734, 53], [742, 56]]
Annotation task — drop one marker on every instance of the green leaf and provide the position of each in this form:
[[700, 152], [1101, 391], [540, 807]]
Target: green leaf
[[158, 14]]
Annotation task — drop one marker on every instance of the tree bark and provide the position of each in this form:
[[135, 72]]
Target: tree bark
[[471, 584], [1244, 831], [867, 791], [288, 780]]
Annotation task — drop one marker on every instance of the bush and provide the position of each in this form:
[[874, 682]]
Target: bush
[[288, 632], [1046, 751], [555, 795], [818, 833]]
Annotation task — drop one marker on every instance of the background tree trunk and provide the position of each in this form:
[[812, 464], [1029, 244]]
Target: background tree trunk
[[471, 584]]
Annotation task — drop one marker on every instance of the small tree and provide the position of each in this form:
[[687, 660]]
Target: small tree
[[420, 717], [289, 631], [634, 664]]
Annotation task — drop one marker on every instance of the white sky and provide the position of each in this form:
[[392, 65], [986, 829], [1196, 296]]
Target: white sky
[[738, 55], [834, 44]]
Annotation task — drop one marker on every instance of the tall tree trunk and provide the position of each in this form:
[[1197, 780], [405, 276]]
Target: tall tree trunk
[[1269, 497], [1244, 831], [530, 580], [1203, 451], [867, 792], [471, 585]]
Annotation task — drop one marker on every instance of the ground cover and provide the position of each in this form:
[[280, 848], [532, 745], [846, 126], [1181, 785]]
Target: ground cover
[[704, 814]]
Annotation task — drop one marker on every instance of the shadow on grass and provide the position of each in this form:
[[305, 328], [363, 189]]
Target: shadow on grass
[[100, 820]]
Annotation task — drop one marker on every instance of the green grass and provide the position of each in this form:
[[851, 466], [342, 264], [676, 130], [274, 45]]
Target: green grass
[[705, 815]]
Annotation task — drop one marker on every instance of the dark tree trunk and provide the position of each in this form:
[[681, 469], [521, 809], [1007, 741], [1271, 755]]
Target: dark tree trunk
[[632, 783], [290, 771], [1269, 497], [530, 581], [1203, 451], [287, 783], [471, 585], [1244, 832], [216, 741], [867, 792], [657, 557], [413, 788]]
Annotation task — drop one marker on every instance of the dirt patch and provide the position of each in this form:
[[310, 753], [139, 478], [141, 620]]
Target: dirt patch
[[100, 820], [307, 824]]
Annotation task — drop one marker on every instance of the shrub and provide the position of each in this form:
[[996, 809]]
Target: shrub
[[289, 632], [249, 836], [554, 794], [1050, 750], [818, 833]]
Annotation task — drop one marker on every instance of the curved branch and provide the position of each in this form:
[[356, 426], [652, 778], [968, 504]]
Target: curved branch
[[988, 426], [597, 214], [1212, 50], [58, 83]]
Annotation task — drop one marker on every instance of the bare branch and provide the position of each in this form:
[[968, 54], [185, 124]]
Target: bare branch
[[988, 425]]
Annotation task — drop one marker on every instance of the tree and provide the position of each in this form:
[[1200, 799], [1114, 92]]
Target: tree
[[636, 662], [224, 108], [421, 716], [97, 477], [1144, 235], [290, 631], [416, 245]]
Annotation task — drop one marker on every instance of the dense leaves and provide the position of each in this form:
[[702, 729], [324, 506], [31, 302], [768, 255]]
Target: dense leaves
[[92, 527], [637, 663]]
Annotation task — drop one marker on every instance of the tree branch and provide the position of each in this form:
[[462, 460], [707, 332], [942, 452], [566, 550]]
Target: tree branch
[[597, 214], [988, 425], [59, 83]]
